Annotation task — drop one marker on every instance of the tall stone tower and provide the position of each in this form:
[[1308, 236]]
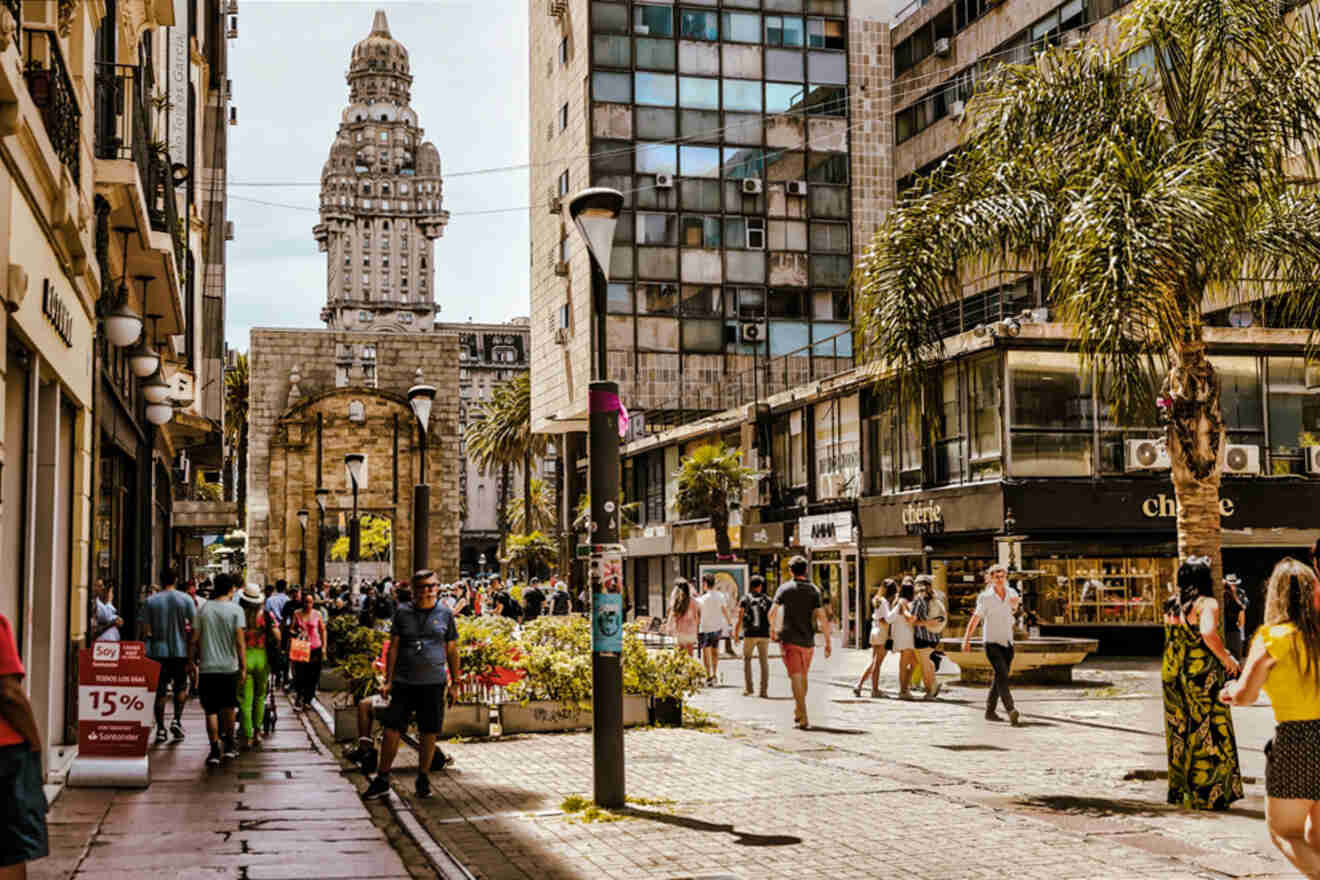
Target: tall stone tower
[[381, 199]]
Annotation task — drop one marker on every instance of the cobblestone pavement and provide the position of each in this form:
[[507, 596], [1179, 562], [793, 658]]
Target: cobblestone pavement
[[283, 813], [879, 788]]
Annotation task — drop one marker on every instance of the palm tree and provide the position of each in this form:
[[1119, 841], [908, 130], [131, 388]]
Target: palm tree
[[1138, 193], [501, 436], [236, 429], [707, 480], [543, 510]]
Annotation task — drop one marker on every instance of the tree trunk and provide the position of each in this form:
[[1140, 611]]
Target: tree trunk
[[528, 522], [719, 521], [1196, 447], [502, 516]]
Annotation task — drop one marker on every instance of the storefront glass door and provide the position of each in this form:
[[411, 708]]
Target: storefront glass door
[[836, 575]]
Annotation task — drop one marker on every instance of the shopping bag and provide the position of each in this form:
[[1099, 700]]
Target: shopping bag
[[300, 650]]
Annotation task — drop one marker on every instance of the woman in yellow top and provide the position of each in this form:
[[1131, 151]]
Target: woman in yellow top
[[1285, 659]]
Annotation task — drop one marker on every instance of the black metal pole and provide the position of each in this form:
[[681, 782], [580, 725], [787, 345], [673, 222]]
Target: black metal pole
[[606, 666], [320, 545], [421, 512], [302, 559], [353, 537], [599, 288]]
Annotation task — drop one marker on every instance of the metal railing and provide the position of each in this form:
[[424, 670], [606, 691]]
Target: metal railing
[[764, 377], [51, 89]]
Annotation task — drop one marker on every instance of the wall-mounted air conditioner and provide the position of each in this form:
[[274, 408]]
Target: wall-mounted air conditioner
[[1312, 454], [943, 46], [1241, 458], [1146, 455], [664, 181], [751, 186], [797, 187]]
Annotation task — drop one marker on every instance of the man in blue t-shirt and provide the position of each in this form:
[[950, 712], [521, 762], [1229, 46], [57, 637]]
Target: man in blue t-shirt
[[169, 621], [422, 660]]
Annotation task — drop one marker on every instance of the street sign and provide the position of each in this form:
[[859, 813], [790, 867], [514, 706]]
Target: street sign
[[116, 692]]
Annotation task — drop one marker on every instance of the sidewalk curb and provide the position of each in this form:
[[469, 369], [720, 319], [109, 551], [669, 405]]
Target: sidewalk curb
[[441, 860]]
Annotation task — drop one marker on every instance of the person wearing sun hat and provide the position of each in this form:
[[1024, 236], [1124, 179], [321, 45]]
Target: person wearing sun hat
[[1235, 615], [259, 630]]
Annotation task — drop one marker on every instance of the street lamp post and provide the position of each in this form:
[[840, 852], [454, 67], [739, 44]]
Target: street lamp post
[[302, 549], [354, 461], [481, 565], [420, 398], [322, 495], [595, 212]]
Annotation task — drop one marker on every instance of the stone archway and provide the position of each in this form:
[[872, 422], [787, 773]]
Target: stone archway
[[307, 450]]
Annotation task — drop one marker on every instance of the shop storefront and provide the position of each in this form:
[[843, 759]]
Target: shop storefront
[[830, 542]]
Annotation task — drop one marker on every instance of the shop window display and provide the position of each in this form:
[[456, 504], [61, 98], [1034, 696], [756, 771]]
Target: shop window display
[[1106, 590]]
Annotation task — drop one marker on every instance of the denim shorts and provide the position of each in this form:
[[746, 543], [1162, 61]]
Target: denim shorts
[[22, 806], [708, 640]]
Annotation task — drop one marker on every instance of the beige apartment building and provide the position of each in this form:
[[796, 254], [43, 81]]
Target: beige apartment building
[[752, 143]]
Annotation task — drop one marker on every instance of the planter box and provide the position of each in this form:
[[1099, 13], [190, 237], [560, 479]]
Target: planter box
[[467, 719], [332, 680], [668, 713], [548, 716], [346, 723]]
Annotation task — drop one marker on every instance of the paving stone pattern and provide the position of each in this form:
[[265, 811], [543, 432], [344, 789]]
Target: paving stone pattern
[[282, 813], [876, 791]]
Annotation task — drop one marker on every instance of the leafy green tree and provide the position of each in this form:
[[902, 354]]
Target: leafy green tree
[[237, 391], [374, 542], [708, 480], [543, 510], [1138, 193], [501, 436], [531, 552]]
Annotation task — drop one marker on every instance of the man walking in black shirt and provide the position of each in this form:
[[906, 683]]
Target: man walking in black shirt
[[533, 600], [754, 627], [798, 611]]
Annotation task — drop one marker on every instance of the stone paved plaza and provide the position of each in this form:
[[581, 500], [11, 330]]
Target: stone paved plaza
[[881, 788]]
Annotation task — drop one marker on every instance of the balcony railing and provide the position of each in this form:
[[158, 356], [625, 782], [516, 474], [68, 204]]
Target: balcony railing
[[51, 89]]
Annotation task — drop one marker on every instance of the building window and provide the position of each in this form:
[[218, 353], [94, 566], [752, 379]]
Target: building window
[[744, 233], [1294, 411], [406, 317], [742, 27], [783, 30], [563, 183], [1052, 415], [611, 87], [701, 232], [563, 117], [655, 89], [563, 50], [356, 411], [698, 24], [653, 21], [825, 33], [986, 403]]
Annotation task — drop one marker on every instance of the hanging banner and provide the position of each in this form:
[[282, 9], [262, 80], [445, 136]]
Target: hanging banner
[[116, 693]]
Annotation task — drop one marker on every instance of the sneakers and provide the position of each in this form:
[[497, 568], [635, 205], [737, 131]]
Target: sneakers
[[439, 760], [992, 716], [161, 735], [423, 786], [176, 731], [857, 691], [213, 758], [1014, 718], [378, 789], [231, 750]]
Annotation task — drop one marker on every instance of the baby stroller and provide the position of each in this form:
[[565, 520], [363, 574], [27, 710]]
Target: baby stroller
[[268, 722]]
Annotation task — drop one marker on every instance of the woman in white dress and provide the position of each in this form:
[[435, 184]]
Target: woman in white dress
[[880, 608], [901, 622]]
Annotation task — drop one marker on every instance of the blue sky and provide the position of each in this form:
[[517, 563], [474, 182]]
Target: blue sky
[[469, 67]]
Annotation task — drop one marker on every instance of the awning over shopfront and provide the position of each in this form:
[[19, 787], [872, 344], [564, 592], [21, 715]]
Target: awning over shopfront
[[701, 539], [893, 546]]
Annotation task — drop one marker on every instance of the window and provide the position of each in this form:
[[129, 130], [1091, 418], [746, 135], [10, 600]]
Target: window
[[745, 302], [699, 161], [698, 24], [364, 316], [742, 94], [701, 232], [654, 21], [384, 137], [356, 411], [785, 64], [699, 195], [609, 18], [827, 167], [788, 235], [563, 117], [619, 299], [1052, 414], [657, 299], [698, 93], [366, 279], [611, 87], [406, 317], [610, 51], [563, 51], [985, 399], [701, 301], [827, 100], [837, 448], [563, 183], [654, 158], [783, 30], [742, 27], [826, 33], [656, 54], [655, 89], [1294, 412], [829, 237], [1240, 397], [784, 97], [657, 229], [797, 449], [703, 336]]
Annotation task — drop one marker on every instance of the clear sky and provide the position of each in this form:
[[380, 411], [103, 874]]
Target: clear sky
[[469, 67]]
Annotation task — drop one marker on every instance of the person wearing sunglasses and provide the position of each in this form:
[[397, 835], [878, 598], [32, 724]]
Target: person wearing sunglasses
[[420, 669]]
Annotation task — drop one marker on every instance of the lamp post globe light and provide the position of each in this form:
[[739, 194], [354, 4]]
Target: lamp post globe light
[[156, 389], [123, 325], [322, 496], [420, 398], [481, 565], [302, 549], [144, 360], [159, 413], [354, 462], [595, 212]]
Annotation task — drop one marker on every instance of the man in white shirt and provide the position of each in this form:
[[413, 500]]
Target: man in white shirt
[[715, 620], [997, 606]]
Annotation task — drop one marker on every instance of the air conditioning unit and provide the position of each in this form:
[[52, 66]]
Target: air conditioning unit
[[943, 46], [1312, 454], [751, 185], [561, 269], [797, 187], [1146, 455], [1241, 458], [957, 109], [557, 205], [664, 181], [752, 332], [561, 336]]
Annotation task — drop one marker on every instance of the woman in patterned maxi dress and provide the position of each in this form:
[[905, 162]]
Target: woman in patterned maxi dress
[[1198, 729]]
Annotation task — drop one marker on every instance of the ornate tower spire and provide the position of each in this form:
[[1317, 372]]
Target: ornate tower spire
[[381, 198]]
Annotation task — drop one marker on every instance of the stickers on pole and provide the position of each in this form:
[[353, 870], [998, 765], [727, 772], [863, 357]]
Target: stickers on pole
[[607, 603], [116, 693]]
